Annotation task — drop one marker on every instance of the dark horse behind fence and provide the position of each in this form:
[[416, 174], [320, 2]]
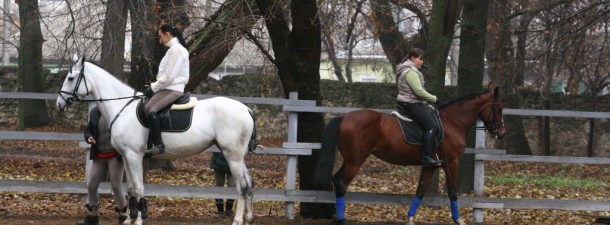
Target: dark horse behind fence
[[360, 133]]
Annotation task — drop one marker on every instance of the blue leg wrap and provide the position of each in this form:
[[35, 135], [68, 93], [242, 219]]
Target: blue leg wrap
[[455, 214], [340, 208], [414, 206]]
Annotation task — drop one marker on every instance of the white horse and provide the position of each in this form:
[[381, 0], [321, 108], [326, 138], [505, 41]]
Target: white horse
[[219, 121]]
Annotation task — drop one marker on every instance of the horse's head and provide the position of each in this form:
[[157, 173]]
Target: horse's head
[[75, 86], [492, 117]]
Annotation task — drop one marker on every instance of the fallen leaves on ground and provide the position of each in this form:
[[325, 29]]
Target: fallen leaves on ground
[[65, 161]]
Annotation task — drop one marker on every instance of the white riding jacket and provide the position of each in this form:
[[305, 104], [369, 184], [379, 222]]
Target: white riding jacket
[[174, 68]]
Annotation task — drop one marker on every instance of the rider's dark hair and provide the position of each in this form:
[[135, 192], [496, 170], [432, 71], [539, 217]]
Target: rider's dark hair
[[415, 52], [171, 29]]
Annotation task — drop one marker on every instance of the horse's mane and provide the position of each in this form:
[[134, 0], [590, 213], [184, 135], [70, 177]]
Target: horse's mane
[[460, 99], [104, 69]]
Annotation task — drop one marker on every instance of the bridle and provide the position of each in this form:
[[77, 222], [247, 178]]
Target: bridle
[[493, 126], [74, 97]]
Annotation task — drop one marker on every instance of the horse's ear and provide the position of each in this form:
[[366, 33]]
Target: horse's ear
[[75, 57], [496, 92]]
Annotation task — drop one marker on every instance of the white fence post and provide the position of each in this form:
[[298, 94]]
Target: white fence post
[[479, 172], [291, 161]]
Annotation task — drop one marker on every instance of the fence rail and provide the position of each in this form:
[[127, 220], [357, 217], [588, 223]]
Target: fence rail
[[292, 148]]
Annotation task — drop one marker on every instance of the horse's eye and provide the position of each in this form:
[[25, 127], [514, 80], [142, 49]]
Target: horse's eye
[[70, 78]]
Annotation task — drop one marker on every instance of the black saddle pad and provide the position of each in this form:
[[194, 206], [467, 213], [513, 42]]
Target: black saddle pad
[[413, 133], [171, 120]]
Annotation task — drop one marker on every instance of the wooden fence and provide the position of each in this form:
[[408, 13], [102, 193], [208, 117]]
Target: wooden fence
[[292, 149]]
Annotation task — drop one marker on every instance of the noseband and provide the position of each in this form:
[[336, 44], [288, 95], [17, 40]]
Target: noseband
[[73, 96], [493, 126]]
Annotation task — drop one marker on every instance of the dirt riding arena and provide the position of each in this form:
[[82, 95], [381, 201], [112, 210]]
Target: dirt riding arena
[[64, 161], [181, 221]]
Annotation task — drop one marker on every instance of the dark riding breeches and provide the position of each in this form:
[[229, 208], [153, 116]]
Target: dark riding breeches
[[161, 99], [423, 115]]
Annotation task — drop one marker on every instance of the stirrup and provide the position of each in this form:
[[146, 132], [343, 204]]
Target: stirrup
[[427, 163], [155, 150]]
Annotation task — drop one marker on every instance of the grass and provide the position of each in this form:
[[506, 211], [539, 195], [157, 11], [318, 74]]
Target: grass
[[549, 181]]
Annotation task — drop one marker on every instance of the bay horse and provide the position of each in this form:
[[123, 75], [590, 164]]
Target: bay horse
[[360, 133], [220, 121]]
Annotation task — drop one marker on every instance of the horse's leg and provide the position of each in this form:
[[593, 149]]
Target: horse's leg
[[341, 181], [134, 172], [243, 184], [340, 190], [424, 180], [451, 172]]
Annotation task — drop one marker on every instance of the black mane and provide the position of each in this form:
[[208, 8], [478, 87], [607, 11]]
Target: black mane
[[460, 99]]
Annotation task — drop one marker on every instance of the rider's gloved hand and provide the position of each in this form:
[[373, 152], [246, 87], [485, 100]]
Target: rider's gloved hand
[[437, 103], [148, 92]]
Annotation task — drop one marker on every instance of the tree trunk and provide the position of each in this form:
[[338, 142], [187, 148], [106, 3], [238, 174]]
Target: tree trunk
[[470, 72], [142, 35], [297, 55], [329, 42], [214, 42], [304, 52], [500, 63], [442, 24], [472, 46], [394, 45], [332, 56], [113, 39], [32, 113]]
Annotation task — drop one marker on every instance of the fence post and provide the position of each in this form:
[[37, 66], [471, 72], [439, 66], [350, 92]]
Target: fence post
[[479, 173], [291, 161]]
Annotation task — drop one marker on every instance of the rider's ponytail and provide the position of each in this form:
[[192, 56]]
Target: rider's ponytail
[[168, 28]]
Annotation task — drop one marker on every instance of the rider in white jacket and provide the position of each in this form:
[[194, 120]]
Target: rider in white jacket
[[171, 80]]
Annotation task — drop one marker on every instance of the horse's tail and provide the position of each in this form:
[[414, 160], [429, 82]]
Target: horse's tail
[[253, 141], [330, 142]]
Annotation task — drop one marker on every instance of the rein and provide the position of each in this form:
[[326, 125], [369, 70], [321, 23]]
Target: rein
[[74, 97], [493, 127], [117, 115]]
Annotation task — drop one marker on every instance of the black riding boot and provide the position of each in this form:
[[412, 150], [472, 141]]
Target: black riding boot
[[220, 207], [155, 131], [429, 159], [229, 209]]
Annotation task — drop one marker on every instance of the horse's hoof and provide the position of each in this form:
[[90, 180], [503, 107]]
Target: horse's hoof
[[411, 220], [460, 221], [341, 222]]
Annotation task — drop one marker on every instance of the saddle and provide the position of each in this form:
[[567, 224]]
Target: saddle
[[412, 132], [177, 117]]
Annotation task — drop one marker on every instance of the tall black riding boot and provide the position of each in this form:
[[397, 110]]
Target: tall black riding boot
[[155, 131], [229, 209], [428, 158]]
